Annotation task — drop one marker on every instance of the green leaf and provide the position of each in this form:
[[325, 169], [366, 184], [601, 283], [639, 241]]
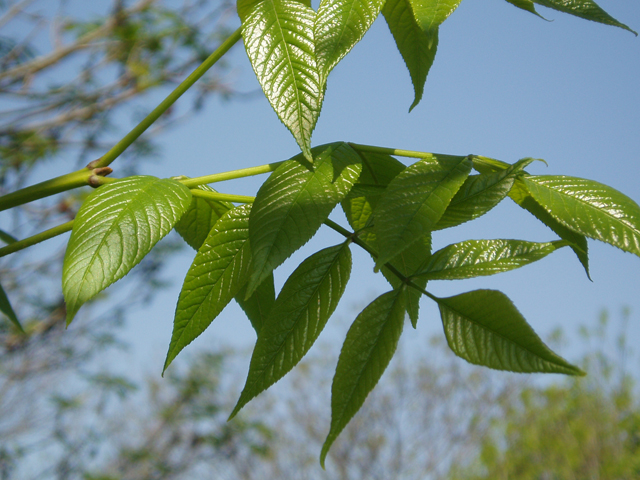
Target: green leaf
[[5, 307], [6, 238], [485, 328], [200, 217], [278, 37], [578, 243], [526, 5], [415, 200], [475, 258], [431, 13], [589, 208], [294, 201], [218, 272], [477, 195], [258, 305], [340, 24], [417, 47], [115, 228], [370, 343], [305, 303], [587, 9]]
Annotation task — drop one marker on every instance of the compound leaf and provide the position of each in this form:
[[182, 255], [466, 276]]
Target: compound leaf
[[587, 9], [475, 258], [370, 343], [218, 272], [115, 228], [305, 303], [415, 200], [340, 24], [417, 47], [485, 328], [278, 38], [589, 208], [294, 201]]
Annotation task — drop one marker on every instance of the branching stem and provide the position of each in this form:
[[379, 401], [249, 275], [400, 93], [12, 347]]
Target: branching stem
[[35, 239]]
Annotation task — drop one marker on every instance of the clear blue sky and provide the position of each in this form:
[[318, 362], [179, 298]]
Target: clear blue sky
[[505, 84]]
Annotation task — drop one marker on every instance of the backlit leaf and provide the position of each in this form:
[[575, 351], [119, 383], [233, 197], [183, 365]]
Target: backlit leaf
[[5, 307], [475, 258], [431, 13], [278, 38], [202, 214], [258, 305], [578, 243], [526, 5], [115, 228], [417, 47], [340, 24], [366, 352], [218, 272], [587, 9], [589, 208], [415, 200], [305, 303], [485, 328], [294, 201]]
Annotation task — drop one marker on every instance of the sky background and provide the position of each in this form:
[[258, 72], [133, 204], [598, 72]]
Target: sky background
[[504, 84]]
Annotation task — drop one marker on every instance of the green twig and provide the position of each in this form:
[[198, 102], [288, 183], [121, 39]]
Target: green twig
[[222, 197], [139, 129], [391, 151], [231, 175], [35, 239]]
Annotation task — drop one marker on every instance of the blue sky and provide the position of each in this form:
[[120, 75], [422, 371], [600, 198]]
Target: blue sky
[[504, 84]]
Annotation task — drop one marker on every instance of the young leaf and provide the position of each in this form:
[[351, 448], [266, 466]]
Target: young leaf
[[485, 328], [417, 47], [278, 37], [589, 208], [5, 307], [415, 200], [366, 352], [294, 201], [6, 238], [300, 312], [218, 272], [475, 258], [431, 13], [258, 305], [578, 243], [115, 228], [202, 214], [587, 9], [477, 195], [340, 24]]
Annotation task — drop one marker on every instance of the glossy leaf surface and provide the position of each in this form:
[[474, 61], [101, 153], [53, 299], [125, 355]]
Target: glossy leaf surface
[[431, 13], [370, 343], [476, 258], [340, 24], [415, 200], [590, 209], [219, 270], [294, 201], [578, 243], [7, 309], [202, 214], [417, 47], [115, 228], [278, 38], [307, 300], [587, 9], [485, 328]]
